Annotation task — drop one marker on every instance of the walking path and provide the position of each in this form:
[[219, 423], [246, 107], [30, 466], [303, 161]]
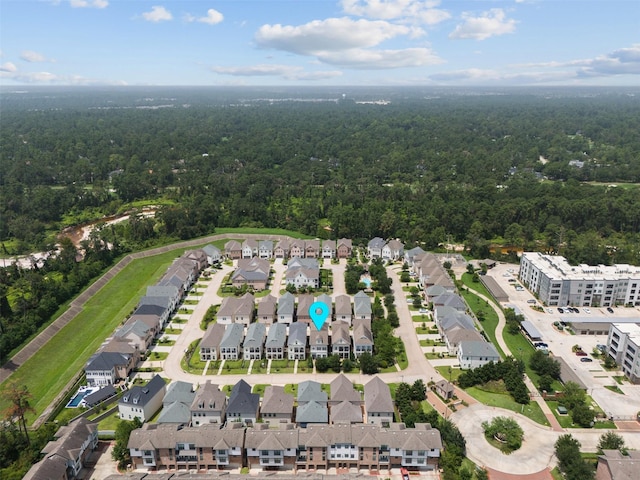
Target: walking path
[[502, 322]]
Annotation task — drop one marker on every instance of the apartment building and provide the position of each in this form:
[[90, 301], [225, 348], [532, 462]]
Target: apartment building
[[557, 283], [623, 345], [316, 447]]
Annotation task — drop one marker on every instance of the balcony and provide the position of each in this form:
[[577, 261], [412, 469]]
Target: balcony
[[270, 462]]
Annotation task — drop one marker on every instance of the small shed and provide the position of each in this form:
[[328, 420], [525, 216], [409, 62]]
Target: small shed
[[531, 331], [444, 389]]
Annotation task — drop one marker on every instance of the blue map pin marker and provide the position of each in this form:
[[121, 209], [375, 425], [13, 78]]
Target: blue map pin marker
[[318, 312]]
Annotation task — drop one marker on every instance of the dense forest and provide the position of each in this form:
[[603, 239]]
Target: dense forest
[[517, 167], [544, 169]]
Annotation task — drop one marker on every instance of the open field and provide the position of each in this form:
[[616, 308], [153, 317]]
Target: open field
[[48, 371]]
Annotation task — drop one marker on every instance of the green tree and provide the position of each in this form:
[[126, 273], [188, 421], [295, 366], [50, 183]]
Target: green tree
[[570, 463], [120, 452], [611, 441], [368, 364], [18, 398]]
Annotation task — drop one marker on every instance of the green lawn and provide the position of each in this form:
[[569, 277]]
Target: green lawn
[[235, 367], [48, 371], [282, 366], [444, 371], [533, 411], [490, 322], [467, 279]]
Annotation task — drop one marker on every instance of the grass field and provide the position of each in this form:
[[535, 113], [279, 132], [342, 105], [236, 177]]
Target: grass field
[[533, 411], [490, 322], [48, 371]]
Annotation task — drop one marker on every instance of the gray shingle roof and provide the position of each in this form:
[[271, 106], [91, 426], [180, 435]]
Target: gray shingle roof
[[377, 396], [478, 349], [312, 412], [309, 391], [140, 396], [232, 335], [286, 304], [179, 391], [255, 335], [276, 336], [361, 304], [376, 243], [242, 401], [297, 334], [103, 361]]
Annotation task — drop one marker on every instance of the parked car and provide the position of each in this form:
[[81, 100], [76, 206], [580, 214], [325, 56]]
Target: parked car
[[549, 310], [531, 301], [609, 309], [560, 310], [587, 311], [586, 359], [580, 353]]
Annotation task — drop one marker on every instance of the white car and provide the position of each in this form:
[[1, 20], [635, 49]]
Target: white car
[[586, 310], [549, 310]]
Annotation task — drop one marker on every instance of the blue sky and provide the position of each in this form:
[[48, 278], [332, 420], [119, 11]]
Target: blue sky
[[319, 42]]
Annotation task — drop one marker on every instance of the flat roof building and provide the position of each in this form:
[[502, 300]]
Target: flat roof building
[[558, 283]]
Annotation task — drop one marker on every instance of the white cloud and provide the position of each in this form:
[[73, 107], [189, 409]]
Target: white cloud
[[411, 10], [8, 67], [347, 43], [157, 14], [381, 59], [623, 61], [31, 56], [284, 71], [490, 24], [332, 34], [213, 17], [89, 3]]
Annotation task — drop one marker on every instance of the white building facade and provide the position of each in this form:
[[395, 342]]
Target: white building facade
[[557, 283]]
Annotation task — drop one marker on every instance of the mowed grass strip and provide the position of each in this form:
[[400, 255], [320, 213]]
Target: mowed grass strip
[[50, 369]]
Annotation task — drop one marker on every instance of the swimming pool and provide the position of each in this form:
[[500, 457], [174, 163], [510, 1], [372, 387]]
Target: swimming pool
[[77, 398], [366, 279], [82, 392]]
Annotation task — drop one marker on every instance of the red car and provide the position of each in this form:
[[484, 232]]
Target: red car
[[580, 353]]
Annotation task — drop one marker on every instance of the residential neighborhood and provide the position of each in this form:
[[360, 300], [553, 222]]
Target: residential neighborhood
[[294, 423]]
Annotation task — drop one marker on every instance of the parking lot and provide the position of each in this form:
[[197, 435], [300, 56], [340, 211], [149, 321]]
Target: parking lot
[[561, 342]]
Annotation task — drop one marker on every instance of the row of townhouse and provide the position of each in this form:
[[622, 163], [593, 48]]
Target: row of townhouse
[[429, 271], [181, 405], [288, 448], [286, 310], [555, 282], [68, 452], [280, 341], [288, 248], [463, 340], [380, 248], [255, 272], [120, 354]]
